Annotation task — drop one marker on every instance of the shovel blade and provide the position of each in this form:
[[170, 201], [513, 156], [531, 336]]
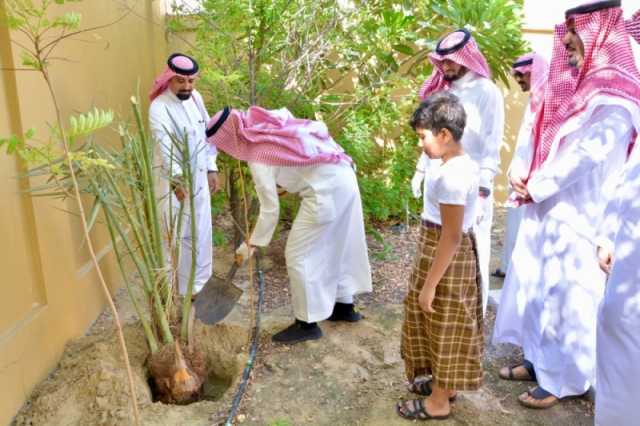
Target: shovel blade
[[216, 300]]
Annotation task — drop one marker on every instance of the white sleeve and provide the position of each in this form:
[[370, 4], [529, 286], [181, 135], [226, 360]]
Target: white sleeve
[[422, 164], [160, 123], [607, 127], [453, 187], [626, 189], [491, 134], [606, 234], [212, 153], [265, 183], [418, 176], [522, 153]]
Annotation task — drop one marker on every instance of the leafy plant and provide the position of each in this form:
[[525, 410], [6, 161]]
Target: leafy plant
[[44, 34], [121, 183], [355, 64]]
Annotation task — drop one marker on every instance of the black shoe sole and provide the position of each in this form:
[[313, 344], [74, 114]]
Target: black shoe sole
[[303, 338], [355, 317]]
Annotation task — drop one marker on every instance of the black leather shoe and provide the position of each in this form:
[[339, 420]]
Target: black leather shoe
[[344, 312], [297, 332]]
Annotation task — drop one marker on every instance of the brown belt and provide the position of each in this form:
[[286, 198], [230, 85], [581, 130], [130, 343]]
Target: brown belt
[[433, 225], [429, 224]]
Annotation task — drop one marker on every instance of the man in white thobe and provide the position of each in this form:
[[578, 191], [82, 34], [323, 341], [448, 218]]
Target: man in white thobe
[[326, 251], [530, 72], [581, 138], [460, 67], [618, 336], [177, 113]]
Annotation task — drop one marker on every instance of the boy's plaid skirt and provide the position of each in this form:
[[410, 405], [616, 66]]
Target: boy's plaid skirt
[[447, 344]]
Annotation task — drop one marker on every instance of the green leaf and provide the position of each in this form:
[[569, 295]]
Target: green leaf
[[93, 215], [403, 48], [30, 61], [87, 123], [12, 144], [69, 21], [14, 22]]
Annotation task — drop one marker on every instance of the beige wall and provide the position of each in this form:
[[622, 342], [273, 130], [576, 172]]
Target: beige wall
[[50, 290]]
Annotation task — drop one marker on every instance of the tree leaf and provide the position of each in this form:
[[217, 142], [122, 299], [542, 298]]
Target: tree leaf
[[403, 48]]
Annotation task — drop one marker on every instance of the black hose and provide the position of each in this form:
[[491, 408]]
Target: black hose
[[242, 387]]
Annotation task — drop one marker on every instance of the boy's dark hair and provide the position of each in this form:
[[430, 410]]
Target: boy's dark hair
[[441, 110]]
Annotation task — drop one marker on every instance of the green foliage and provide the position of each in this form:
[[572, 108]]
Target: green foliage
[[219, 238], [355, 65], [70, 20], [121, 182], [38, 21], [15, 143], [87, 123]]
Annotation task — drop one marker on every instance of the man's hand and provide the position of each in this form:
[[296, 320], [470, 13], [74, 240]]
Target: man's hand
[[520, 188], [416, 184], [425, 300], [605, 259], [178, 188], [244, 252], [214, 181], [180, 192], [483, 203]]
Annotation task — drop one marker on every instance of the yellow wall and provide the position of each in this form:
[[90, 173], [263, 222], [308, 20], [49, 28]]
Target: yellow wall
[[50, 290]]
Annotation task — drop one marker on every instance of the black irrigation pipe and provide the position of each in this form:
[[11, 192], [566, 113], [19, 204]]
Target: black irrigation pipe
[[242, 387]]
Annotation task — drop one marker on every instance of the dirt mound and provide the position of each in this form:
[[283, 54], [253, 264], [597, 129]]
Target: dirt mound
[[89, 386]]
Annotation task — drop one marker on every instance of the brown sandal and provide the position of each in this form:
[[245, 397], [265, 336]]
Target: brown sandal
[[417, 411]]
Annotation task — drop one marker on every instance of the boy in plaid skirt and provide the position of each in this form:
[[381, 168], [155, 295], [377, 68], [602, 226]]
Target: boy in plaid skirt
[[442, 329]]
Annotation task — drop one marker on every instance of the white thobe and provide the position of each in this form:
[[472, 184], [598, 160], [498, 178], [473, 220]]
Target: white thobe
[[326, 251], [521, 158], [169, 115], [618, 335], [481, 140], [554, 285]]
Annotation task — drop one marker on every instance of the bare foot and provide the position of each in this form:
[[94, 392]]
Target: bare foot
[[515, 373], [437, 408], [538, 398]]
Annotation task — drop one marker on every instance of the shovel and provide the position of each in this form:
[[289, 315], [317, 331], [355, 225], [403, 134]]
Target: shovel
[[217, 298]]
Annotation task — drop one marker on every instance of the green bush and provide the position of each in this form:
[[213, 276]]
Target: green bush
[[355, 65]]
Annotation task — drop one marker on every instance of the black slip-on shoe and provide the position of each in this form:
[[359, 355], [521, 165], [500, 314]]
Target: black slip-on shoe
[[297, 332], [344, 312]]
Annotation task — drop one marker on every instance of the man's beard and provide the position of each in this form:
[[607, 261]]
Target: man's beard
[[183, 96], [574, 61], [524, 87], [451, 77]]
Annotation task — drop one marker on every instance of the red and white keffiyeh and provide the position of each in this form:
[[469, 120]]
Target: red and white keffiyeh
[[608, 69], [177, 64], [275, 138], [538, 66], [633, 26], [459, 47]]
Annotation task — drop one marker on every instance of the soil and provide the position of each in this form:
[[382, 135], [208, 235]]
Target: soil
[[352, 376]]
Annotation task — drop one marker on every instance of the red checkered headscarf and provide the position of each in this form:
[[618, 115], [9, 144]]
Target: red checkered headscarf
[[177, 64], [275, 138], [633, 26], [538, 66], [459, 47], [608, 69]]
